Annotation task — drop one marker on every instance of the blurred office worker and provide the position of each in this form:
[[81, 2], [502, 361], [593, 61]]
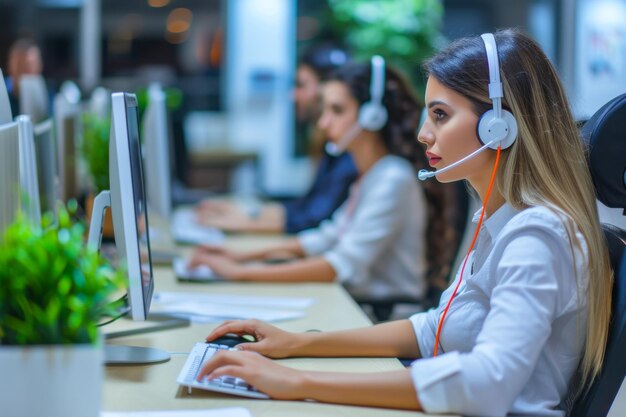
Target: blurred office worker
[[24, 59], [375, 242], [334, 174]]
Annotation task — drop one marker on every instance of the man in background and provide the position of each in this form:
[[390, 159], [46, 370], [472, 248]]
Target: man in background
[[24, 59]]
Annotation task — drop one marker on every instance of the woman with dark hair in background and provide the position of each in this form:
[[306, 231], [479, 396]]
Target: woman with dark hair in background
[[333, 177]]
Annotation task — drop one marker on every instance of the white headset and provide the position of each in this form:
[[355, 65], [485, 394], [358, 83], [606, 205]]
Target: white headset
[[372, 114], [496, 127]]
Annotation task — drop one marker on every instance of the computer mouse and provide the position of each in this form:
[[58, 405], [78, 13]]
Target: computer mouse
[[230, 340]]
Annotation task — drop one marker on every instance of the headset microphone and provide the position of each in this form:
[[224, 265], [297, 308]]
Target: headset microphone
[[423, 174], [336, 149]]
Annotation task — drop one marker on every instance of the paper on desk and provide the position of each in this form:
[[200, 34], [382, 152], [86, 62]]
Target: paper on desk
[[201, 312], [216, 412], [166, 297]]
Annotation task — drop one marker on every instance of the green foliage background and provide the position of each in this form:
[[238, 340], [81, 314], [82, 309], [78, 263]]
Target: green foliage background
[[404, 32], [95, 149]]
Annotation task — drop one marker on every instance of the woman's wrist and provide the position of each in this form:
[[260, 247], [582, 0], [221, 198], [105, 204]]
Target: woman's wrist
[[245, 273], [304, 385], [301, 343]]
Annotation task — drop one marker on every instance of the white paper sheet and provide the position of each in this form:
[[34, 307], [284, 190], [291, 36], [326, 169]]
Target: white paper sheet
[[216, 412], [166, 297], [207, 312]]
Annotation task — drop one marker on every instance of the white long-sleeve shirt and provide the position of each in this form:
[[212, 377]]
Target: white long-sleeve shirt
[[375, 240], [515, 331]]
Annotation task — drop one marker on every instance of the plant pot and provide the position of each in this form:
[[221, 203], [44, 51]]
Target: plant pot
[[107, 223], [51, 381]]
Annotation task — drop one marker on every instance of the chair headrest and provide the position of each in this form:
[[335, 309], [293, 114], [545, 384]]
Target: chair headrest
[[605, 135]]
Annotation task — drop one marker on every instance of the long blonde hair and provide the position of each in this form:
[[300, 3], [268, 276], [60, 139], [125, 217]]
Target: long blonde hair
[[547, 164]]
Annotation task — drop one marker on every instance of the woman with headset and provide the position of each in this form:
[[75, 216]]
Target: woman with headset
[[333, 177], [374, 243], [526, 319]]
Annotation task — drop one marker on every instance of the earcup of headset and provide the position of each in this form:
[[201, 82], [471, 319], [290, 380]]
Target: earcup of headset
[[503, 131], [372, 117]]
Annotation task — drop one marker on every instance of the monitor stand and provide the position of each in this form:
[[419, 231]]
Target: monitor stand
[[135, 355], [128, 355]]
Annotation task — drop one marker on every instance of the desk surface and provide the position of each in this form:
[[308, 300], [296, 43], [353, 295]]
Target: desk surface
[[154, 387]]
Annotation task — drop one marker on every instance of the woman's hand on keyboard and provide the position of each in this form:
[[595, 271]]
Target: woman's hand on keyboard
[[222, 251], [270, 341], [221, 265], [279, 382]]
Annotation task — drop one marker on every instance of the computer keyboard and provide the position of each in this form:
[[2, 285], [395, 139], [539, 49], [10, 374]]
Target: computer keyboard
[[201, 353], [185, 229], [200, 273]]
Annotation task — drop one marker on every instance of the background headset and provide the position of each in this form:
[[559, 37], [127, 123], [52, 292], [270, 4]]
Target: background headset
[[372, 114], [497, 128]]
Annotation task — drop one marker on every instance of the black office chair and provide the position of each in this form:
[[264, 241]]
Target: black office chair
[[605, 134]]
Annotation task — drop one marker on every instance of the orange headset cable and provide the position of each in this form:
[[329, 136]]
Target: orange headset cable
[[480, 222]]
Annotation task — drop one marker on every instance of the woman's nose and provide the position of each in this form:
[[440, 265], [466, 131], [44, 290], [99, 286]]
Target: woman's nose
[[322, 122], [425, 135]]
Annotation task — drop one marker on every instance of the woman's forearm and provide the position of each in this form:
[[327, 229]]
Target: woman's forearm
[[302, 270], [392, 339], [270, 220], [385, 389], [290, 246]]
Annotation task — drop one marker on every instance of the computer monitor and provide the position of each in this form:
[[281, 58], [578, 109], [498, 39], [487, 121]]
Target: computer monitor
[[6, 115], [156, 152], [130, 223], [66, 113], [9, 174], [47, 165], [29, 183], [19, 187], [34, 98]]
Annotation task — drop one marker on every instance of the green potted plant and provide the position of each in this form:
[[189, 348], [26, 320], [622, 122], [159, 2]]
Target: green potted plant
[[95, 151], [54, 290]]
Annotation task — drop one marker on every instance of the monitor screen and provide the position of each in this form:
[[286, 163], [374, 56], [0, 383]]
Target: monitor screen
[[47, 165], [139, 202]]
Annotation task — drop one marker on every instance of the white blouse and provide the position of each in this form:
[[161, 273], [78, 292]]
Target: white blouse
[[375, 240], [515, 332]]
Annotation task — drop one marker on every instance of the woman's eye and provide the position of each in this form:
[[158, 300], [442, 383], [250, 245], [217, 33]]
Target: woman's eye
[[439, 114], [336, 109]]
